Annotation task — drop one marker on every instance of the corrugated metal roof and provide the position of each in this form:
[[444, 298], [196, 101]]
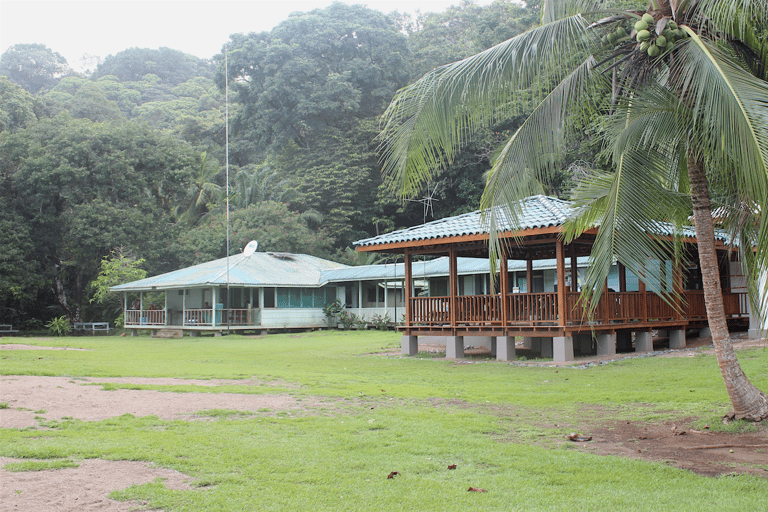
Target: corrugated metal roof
[[536, 212], [258, 269], [430, 268]]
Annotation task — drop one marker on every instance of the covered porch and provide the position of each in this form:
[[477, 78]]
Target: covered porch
[[547, 312]]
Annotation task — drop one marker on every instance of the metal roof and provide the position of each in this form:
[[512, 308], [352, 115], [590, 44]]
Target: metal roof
[[536, 212], [258, 269]]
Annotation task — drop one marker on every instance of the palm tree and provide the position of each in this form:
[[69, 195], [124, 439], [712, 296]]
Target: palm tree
[[202, 191], [678, 95], [255, 184]]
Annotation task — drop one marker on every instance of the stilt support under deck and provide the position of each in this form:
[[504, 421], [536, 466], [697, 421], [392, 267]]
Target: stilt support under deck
[[677, 339], [562, 348], [643, 342], [409, 345], [606, 344], [454, 347], [505, 348]]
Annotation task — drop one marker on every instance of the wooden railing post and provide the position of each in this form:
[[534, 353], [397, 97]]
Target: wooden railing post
[[408, 288], [561, 310], [504, 271], [453, 283]]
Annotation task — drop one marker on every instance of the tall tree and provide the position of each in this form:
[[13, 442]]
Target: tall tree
[[33, 66], [680, 91]]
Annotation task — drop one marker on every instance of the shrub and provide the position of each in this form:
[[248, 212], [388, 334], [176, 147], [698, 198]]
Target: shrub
[[59, 326]]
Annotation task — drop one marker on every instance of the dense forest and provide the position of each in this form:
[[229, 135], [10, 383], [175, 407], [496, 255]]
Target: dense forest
[[126, 164]]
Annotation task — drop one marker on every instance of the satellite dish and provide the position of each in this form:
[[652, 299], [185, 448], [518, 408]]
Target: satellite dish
[[251, 248]]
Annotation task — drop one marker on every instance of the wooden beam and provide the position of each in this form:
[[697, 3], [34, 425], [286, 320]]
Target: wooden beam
[[504, 278], [408, 287], [561, 316], [574, 270], [453, 284]]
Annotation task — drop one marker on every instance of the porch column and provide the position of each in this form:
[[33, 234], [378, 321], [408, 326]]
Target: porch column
[[504, 270], [183, 307], [505, 348], [643, 298], [359, 296], [454, 347], [562, 348], [606, 344], [453, 283], [528, 273], [213, 306], [408, 286], [409, 345], [677, 278], [167, 316], [643, 341], [574, 270], [622, 278], [561, 309]]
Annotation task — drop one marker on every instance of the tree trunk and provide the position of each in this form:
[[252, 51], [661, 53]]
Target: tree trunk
[[748, 402]]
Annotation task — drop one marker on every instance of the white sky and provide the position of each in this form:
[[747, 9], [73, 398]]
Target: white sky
[[199, 27]]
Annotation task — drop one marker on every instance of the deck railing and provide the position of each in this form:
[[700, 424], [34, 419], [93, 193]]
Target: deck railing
[[532, 309], [145, 317]]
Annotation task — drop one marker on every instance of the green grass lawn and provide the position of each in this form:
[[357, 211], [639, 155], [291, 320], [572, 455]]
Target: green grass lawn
[[413, 415]]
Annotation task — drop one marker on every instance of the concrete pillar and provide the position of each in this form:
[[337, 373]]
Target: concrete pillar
[[454, 347], [536, 345], [677, 338], [505, 348], [562, 348], [705, 332], [409, 345], [606, 344], [643, 342], [194, 334], [546, 347], [494, 346], [134, 332], [527, 342], [662, 333]]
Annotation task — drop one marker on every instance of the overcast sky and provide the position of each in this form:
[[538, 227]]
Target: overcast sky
[[104, 27]]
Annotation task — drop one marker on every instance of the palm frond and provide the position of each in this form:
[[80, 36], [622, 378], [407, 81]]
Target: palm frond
[[427, 122]]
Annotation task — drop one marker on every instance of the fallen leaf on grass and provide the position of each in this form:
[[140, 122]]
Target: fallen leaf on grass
[[392, 474], [476, 489], [578, 438], [452, 466]]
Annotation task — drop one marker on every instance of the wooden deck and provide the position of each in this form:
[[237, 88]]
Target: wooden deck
[[538, 314]]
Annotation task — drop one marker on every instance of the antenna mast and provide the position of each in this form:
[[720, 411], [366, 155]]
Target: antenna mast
[[226, 150]]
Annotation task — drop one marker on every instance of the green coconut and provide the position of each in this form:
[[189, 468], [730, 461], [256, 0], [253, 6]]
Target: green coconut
[[649, 19], [643, 35], [612, 38], [669, 46], [671, 25], [653, 51], [641, 25], [679, 34], [621, 32], [645, 45], [661, 41]]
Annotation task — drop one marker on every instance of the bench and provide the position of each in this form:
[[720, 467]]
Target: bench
[[91, 327], [7, 329]]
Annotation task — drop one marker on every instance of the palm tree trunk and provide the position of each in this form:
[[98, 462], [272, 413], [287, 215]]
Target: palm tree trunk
[[748, 402]]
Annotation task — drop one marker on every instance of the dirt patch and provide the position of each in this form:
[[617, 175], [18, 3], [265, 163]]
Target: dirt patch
[[20, 346], [703, 452], [31, 399], [84, 488]]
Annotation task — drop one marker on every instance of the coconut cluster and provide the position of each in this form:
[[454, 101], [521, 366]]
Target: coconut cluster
[[652, 42]]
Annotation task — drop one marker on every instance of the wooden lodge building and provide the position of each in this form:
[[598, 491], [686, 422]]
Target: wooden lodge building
[[549, 318]]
